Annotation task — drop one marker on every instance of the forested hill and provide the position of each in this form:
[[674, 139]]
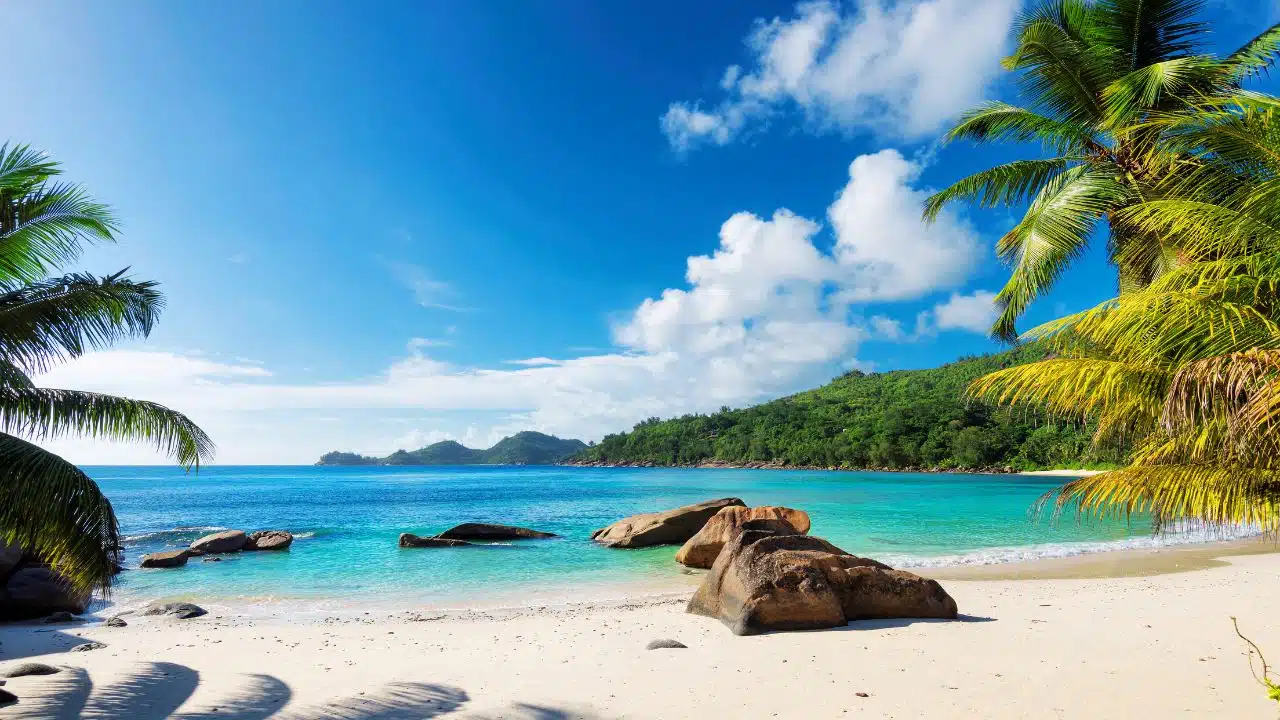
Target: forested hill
[[906, 419], [523, 448]]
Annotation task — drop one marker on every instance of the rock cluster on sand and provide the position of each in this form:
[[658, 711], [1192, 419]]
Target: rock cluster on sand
[[30, 589], [701, 550], [672, 527], [180, 610], [489, 531], [409, 540], [770, 579]]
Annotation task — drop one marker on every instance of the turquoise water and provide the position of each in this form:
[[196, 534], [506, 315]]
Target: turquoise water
[[348, 520]]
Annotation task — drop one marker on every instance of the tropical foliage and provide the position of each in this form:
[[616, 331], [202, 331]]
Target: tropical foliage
[[907, 419], [1092, 76], [47, 505], [1185, 364]]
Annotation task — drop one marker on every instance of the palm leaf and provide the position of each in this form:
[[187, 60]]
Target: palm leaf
[[53, 509], [47, 322], [1256, 56], [46, 414], [1006, 184], [46, 227]]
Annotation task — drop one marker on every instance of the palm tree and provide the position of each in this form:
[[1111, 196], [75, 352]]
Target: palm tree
[[1187, 369], [1092, 75], [48, 505]]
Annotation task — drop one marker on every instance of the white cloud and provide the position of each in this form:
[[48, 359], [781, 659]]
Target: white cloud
[[770, 310], [427, 291], [975, 312], [898, 68]]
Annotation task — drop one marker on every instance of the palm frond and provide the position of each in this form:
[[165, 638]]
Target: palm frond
[[22, 169], [46, 227], [1255, 57], [47, 322], [1151, 31], [1007, 184], [1001, 122], [45, 414], [53, 509]]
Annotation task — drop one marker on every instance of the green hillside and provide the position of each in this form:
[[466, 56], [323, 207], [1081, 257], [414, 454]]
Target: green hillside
[[906, 419], [524, 448]]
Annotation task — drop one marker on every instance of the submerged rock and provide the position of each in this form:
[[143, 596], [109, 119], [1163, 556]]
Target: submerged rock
[[665, 644], [167, 559], [702, 549], [180, 610], [226, 541], [672, 527], [765, 579], [489, 531], [409, 540], [269, 540], [30, 668]]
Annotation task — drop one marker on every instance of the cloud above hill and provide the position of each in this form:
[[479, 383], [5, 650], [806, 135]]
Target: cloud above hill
[[775, 305]]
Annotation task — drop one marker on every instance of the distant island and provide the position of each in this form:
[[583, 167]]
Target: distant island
[[915, 420], [523, 448]]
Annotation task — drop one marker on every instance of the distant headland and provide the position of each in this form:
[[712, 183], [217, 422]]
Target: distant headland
[[523, 448]]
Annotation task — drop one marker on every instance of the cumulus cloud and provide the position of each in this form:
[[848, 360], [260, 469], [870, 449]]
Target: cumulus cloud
[[771, 309], [900, 68], [975, 312]]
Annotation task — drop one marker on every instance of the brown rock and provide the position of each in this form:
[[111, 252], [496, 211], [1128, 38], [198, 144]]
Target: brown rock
[[701, 550], [409, 540], [764, 580], [672, 527], [30, 668], [167, 559], [32, 592], [269, 540], [221, 542], [488, 531]]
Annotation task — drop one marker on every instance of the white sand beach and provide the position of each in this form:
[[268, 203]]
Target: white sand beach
[[1112, 647], [1063, 472]]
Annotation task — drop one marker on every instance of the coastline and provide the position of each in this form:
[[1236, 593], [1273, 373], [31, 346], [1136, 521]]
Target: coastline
[[1150, 644], [774, 465]]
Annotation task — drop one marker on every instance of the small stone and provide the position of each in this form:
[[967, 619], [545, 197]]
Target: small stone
[[30, 668], [116, 621], [7, 698], [665, 643], [86, 647], [180, 610], [862, 695], [62, 616]]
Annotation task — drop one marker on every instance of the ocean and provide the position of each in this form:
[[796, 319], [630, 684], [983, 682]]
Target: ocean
[[347, 520]]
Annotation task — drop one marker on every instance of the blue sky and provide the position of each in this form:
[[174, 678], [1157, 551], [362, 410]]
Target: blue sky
[[377, 229]]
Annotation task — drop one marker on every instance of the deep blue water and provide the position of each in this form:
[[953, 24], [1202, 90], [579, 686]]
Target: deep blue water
[[348, 520]]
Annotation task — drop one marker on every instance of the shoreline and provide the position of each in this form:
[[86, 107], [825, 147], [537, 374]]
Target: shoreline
[[1159, 645], [772, 465]]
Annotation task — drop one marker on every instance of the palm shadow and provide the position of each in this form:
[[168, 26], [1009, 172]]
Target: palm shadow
[[19, 640], [155, 691]]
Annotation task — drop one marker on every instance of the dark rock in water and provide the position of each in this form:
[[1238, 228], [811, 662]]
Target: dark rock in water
[[702, 549], [62, 616], [409, 540], [180, 610], [34, 591], [766, 580], [116, 621], [211, 558], [86, 647], [488, 531], [7, 698], [663, 644], [672, 527], [167, 559], [30, 668], [269, 540], [226, 541]]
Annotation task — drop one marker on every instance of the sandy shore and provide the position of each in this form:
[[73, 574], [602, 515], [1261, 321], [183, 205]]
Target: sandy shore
[[1063, 473], [1076, 647]]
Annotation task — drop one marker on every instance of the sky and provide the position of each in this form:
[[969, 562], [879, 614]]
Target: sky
[[383, 225]]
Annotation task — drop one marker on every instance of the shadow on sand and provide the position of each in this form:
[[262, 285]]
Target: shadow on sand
[[155, 691]]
